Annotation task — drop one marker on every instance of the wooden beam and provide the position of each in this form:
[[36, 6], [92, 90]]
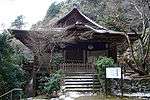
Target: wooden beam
[[112, 51]]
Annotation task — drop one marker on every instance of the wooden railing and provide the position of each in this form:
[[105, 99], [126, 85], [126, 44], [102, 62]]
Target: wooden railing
[[74, 61], [11, 93], [77, 68]]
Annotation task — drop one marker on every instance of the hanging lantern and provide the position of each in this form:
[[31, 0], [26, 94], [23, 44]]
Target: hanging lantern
[[90, 46]]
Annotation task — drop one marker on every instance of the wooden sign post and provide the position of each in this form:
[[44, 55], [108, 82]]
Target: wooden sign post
[[114, 72]]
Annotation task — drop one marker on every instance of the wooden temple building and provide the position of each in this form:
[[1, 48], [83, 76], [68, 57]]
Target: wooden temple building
[[85, 40], [89, 38]]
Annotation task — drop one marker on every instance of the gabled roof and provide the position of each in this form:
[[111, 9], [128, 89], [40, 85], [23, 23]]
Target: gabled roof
[[76, 16], [86, 32], [75, 25]]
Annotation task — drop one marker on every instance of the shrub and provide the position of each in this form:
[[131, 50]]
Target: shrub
[[53, 83], [57, 59], [101, 64]]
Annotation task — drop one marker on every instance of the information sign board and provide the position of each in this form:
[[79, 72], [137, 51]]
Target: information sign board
[[113, 72]]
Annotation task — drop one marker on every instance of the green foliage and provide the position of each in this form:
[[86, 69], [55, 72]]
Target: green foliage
[[53, 82], [101, 64], [92, 9], [115, 23], [56, 60], [53, 10], [49, 83], [101, 11], [18, 22], [113, 14], [104, 61], [11, 73]]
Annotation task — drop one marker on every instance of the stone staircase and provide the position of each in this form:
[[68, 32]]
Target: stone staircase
[[80, 82]]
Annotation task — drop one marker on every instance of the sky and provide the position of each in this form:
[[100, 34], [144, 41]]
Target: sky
[[33, 11]]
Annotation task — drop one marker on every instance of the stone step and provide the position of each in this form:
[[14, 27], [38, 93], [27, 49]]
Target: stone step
[[81, 89], [80, 74], [80, 83], [78, 77], [80, 80], [81, 86]]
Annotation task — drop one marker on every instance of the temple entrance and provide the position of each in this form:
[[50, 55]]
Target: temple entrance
[[75, 55], [93, 55], [81, 57]]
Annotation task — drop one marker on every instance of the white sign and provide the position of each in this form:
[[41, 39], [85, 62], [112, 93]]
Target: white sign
[[113, 72]]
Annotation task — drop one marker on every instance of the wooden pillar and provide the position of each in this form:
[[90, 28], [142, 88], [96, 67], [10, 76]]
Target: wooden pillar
[[112, 51], [64, 55], [34, 75], [84, 56]]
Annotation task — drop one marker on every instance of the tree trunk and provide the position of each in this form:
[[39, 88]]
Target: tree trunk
[[140, 72]]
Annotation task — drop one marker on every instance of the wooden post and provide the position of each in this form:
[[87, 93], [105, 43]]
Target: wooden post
[[122, 81], [93, 77], [11, 95], [64, 54], [84, 56], [105, 83], [106, 91], [20, 97]]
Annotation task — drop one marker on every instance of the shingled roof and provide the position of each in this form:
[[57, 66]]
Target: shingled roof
[[74, 24], [76, 16]]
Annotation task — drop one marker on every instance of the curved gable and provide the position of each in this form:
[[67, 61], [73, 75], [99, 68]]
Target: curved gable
[[75, 16]]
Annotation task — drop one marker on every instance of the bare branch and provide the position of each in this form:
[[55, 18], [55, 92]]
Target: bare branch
[[148, 3], [148, 48], [142, 16], [131, 48]]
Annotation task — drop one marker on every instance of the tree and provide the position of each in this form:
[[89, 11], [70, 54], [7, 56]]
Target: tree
[[140, 24], [108, 13], [42, 42], [53, 10], [18, 22], [11, 73]]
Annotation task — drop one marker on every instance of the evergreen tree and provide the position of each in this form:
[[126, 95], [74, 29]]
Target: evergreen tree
[[11, 73], [18, 22], [53, 10]]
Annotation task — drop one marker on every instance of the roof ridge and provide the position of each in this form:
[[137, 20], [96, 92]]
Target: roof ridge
[[90, 20], [87, 18]]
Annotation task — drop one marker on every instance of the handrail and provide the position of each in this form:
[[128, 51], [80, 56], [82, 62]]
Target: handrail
[[15, 89], [77, 67]]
